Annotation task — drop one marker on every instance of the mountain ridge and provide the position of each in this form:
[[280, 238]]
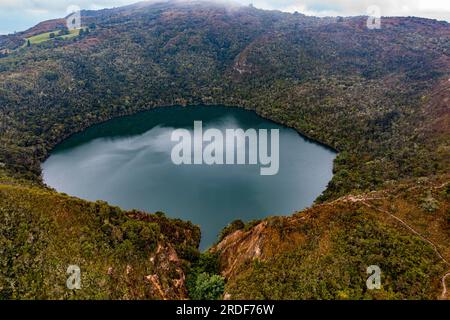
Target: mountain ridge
[[379, 97]]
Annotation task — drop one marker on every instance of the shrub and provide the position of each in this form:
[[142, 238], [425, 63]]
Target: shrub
[[51, 76], [208, 287], [232, 227], [429, 204], [203, 281], [142, 235]]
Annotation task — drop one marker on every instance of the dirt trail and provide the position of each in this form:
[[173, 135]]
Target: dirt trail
[[444, 286], [363, 200], [435, 248]]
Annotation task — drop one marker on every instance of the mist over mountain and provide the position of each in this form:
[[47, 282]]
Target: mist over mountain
[[16, 16], [378, 96]]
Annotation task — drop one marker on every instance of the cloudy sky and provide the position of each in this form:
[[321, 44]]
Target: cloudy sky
[[18, 15]]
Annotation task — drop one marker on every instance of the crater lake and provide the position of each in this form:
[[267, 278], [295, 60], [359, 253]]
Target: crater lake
[[127, 162]]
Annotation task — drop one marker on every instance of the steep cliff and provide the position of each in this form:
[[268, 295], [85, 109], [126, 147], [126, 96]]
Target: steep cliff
[[324, 252], [120, 255]]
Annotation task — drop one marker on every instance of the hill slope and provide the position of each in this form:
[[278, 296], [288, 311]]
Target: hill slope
[[380, 97], [122, 255], [324, 252]]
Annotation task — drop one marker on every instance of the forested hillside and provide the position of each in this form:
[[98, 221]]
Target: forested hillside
[[122, 255], [379, 97], [324, 252]]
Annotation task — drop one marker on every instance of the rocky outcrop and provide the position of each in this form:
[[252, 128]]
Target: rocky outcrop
[[168, 281], [332, 239]]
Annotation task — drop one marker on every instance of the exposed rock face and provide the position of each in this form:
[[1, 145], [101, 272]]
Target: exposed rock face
[[103, 241], [261, 242], [168, 281], [331, 240], [356, 90]]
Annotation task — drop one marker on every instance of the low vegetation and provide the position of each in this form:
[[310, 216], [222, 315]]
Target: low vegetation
[[43, 233], [324, 252], [379, 97], [62, 34], [203, 281]]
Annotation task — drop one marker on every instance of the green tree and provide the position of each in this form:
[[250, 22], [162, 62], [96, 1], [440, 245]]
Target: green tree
[[208, 287], [203, 281], [63, 31]]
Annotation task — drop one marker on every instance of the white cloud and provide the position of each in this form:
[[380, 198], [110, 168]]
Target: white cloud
[[57, 6], [38, 10], [317, 7], [436, 9]]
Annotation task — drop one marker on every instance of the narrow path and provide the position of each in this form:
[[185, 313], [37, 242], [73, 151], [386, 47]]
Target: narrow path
[[410, 228], [444, 286], [365, 197], [444, 278]]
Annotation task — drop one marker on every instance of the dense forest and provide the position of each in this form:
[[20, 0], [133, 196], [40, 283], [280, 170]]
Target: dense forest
[[123, 255], [379, 97]]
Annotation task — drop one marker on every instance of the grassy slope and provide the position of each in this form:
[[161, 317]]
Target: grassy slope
[[42, 233], [322, 81], [381, 98], [323, 252], [46, 36]]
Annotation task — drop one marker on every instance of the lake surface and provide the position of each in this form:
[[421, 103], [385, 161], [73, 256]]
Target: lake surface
[[127, 162]]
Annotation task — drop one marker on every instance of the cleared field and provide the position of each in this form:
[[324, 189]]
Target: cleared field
[[46, 36]]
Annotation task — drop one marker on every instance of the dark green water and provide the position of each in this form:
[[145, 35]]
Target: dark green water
[[127, 162]]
